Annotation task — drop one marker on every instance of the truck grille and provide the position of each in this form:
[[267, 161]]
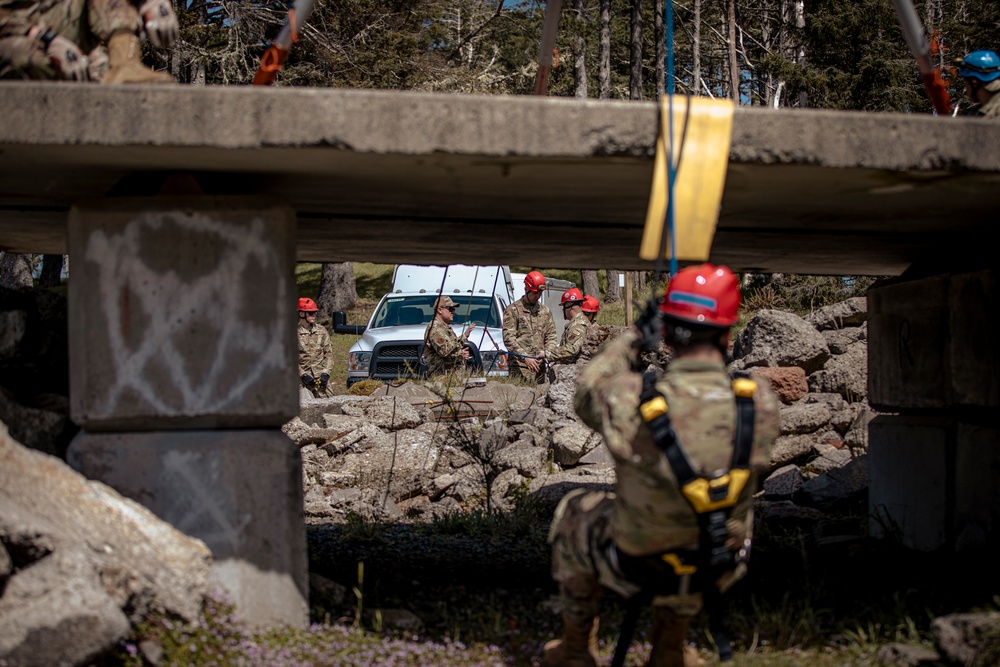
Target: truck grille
[[395, 360]]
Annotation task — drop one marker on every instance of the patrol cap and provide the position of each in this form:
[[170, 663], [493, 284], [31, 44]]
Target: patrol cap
[[444, 302]]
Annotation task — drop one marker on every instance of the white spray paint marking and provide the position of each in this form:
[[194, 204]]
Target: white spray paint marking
[[205, 488], [171, 306]]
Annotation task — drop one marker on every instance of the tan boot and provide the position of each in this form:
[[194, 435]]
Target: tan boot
[[577, 648], [124, 64], [670, 647]]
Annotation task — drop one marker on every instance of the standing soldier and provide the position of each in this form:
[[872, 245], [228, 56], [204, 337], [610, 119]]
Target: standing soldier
[[575, 332], [590, 308], [315, 351], [676, 440], [46, 39], [444, 351], [529, 330]]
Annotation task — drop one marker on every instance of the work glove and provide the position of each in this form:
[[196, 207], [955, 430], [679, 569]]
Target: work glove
[[324, 380], [308, 380], [65, 55], [650, 326], [160, 22]]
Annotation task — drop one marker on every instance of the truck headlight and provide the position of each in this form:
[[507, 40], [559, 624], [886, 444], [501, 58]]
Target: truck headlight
[[493, 361], [358, 362]]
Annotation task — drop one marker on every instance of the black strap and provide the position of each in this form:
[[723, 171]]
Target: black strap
[[664, 435], [743, 440]]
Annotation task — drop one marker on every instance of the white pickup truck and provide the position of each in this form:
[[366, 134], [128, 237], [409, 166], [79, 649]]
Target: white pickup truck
[[391, 344]]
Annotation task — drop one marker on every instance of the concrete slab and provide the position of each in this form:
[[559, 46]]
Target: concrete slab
[[239, 491], [977, 486], [907, 345], [393, 177], [910, 467], [182, 313], [974, 361]]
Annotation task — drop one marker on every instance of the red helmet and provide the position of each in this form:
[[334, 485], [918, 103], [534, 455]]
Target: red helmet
[[572, 295], [534, 282], [590, 304], [307, 305], [703, 294]]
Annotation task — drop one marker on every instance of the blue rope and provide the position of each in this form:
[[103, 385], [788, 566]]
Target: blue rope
[[671, 172]]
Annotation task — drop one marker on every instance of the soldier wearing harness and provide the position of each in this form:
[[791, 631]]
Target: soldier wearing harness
[[676, 531]]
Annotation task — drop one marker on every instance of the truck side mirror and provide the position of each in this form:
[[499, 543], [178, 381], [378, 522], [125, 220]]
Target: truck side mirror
[[341, 326]]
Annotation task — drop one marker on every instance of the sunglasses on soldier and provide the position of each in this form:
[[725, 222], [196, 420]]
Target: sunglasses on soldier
[[451, 308]]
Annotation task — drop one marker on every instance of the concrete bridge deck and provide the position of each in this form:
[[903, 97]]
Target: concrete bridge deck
[[407, 177]]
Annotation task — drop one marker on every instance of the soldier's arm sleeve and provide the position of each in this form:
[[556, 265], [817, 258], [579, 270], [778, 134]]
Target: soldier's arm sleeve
[[599, 377], [551, 338], [20, 52], [443, 344], [510, 330], [326, 346], [767, 424], [570, 349], [303, 359]]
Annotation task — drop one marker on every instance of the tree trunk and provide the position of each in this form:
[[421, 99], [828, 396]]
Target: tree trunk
[[639, 281], [336, 288], [590, 284], [660, 39], [635, 53], [580, 62], [734, 70], [52, 266], [614, 293], [604, 52], [15, 271], [696, 50]]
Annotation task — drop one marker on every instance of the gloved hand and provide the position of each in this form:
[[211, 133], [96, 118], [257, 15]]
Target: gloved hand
[[308, 380], [324, 380], [650, 327], [66, 55], [160, 22]]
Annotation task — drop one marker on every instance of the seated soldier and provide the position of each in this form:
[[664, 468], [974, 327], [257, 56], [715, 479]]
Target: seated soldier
[[48, 39], [444, 351]]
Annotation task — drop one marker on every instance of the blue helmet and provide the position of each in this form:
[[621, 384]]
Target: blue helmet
[[982, 65]]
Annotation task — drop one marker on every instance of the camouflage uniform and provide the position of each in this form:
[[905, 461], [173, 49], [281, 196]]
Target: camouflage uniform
[[647, 514], [992, 107], [443, 348], [528, 329], [315, 356], [87, 23], [574, 335]]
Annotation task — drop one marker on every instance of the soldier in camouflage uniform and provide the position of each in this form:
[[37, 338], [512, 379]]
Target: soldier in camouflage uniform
[[315, 351], [444, 351], [529, 330], [47, 39], [595, 535], [590, 308], [981, 72], [575, 332]]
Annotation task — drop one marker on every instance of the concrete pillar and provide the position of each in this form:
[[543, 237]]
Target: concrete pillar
[[935, 468], [182, 370]]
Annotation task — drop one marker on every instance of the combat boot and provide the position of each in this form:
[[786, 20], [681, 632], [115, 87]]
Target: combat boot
[[124, 64], [670, 647], [577, 648]]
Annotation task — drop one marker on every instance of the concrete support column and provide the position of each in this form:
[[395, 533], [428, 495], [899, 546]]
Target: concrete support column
[[182, 370], [935, 466]]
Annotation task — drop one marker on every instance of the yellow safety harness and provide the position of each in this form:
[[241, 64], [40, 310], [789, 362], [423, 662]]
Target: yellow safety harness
[[712, 499]]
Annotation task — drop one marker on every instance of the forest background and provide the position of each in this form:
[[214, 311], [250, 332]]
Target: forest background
[[833, 54]]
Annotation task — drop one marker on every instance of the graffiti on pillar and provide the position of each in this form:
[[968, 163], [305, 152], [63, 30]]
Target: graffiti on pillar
[[195, 310], [905, 354], [209, 520]]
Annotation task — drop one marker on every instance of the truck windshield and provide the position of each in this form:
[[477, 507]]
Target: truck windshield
[[412, 310]]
